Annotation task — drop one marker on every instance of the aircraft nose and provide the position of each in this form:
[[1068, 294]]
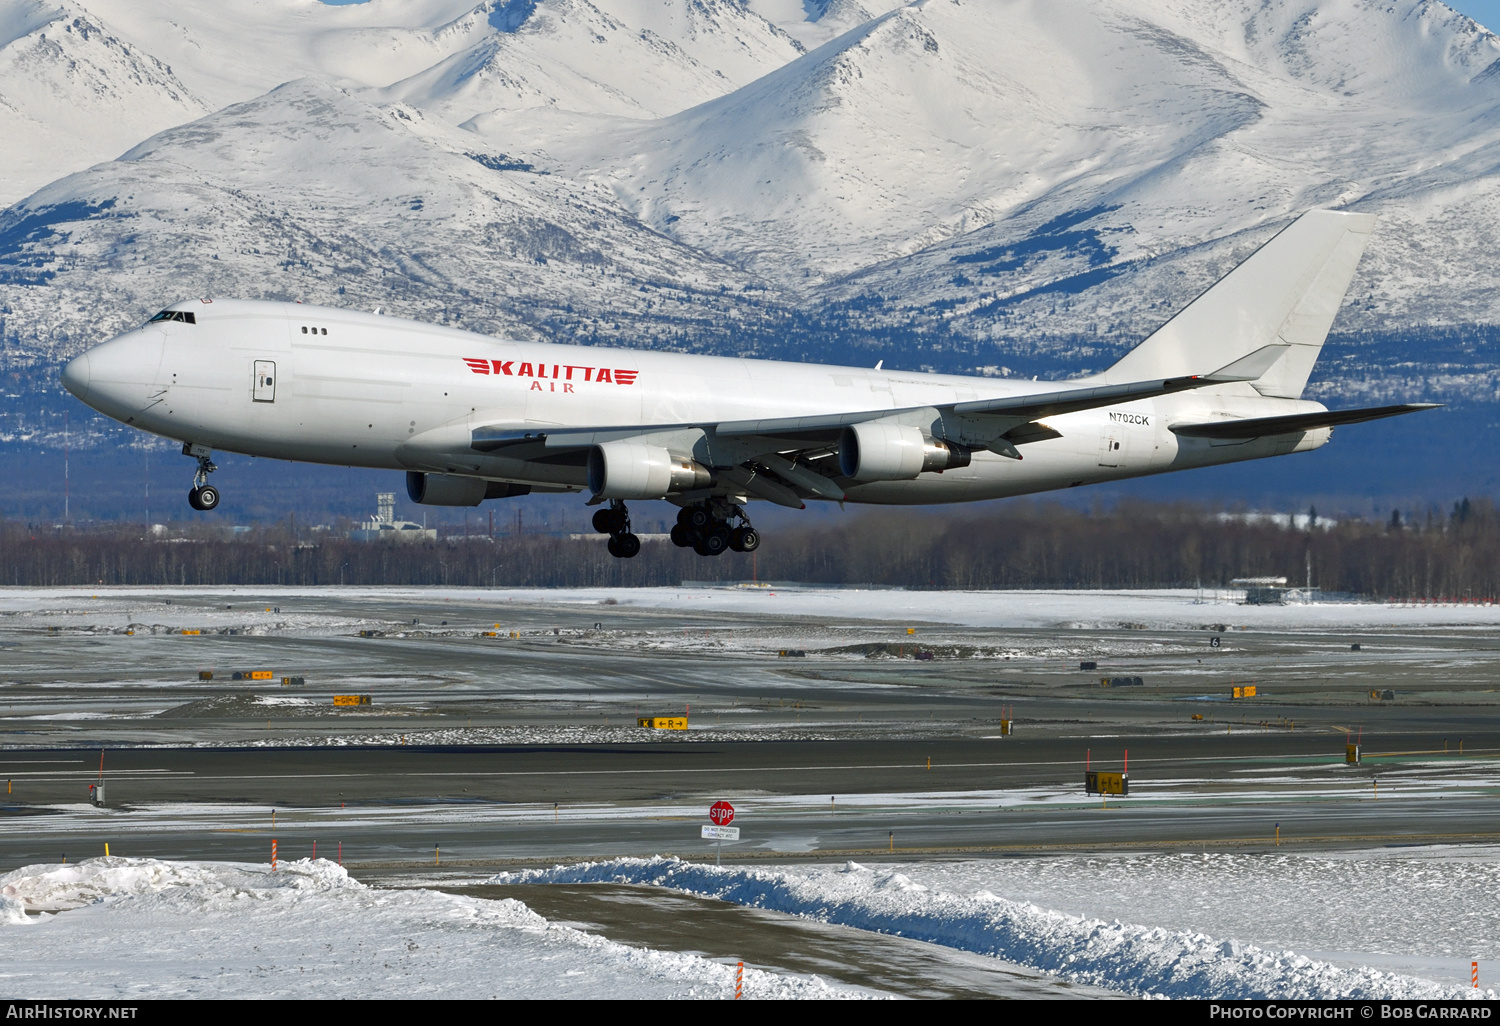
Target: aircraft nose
[[117, 377], [75, 376]]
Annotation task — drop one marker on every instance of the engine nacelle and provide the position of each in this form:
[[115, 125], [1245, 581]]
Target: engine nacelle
[[451, 490], [634, 470], [892, 452]]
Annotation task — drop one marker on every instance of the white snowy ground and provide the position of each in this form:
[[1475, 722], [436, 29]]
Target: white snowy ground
[[141, 928], [1392, 924], [1368, 925], [1169, 608]]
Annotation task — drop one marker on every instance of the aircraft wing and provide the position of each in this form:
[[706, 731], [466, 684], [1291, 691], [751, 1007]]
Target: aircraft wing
[[1008, 412], [786, 446], [1260, 427]]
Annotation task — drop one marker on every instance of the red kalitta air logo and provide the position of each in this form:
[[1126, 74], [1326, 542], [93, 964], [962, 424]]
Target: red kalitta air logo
[[564, 374]]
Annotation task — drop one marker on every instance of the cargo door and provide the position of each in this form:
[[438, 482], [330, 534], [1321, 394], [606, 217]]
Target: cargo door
[[265, 381]]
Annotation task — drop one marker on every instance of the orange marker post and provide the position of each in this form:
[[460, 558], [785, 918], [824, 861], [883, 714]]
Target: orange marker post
[[273, 854], [1474, 971], [739, 979]]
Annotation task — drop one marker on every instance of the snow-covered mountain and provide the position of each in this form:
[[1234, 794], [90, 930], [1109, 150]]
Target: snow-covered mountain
[[72, 93], [954, 183]]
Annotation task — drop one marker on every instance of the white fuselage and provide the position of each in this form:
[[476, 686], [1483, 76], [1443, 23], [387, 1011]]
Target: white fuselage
[[307, 383]]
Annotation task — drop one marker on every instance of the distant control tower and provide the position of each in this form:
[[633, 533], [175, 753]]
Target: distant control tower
[[385, 526]]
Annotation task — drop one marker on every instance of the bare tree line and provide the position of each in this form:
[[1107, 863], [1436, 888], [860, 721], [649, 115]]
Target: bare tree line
[[1018, 545]]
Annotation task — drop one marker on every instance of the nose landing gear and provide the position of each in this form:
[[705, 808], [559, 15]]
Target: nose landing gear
[[204, 496], [615, 522]]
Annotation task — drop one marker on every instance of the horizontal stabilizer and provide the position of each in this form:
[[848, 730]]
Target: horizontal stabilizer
[[1261, 427], [1248, 368]]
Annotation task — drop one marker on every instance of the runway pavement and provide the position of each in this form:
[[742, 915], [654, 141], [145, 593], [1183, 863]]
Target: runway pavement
[[497, 805]]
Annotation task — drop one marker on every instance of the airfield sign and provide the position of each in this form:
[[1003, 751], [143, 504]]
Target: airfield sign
[[722, 813]]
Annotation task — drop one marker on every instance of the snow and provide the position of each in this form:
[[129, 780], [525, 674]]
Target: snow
[[992, 908], [660, 59], [111, 608], [73, 93], [1391, 923], [120, 928]]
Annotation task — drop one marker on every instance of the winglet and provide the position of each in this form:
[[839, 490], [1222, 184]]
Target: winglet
[[1252, 367]]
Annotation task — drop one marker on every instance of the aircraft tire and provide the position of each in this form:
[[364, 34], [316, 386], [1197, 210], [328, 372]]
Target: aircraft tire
[[208, 498], [193, 499], [607, 521], [699, 518], [627, 546], [714, 542], [744, 539], [683, 537]]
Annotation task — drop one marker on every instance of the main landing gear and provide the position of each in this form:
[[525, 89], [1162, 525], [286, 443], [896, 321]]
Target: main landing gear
[[704, 528], [204, 496], [615, 522]]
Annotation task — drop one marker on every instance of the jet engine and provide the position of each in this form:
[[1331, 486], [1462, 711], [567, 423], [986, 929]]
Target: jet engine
[[634, 470], [452, 490], [892, 452]]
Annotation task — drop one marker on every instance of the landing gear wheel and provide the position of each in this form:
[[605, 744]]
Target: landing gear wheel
[[697, 517], [608, 521], [714, 541], [615, 522], [204, 496], [744, 539], [683, 537]]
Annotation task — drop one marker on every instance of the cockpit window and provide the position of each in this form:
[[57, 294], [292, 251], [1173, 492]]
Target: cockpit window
[[185, 316]]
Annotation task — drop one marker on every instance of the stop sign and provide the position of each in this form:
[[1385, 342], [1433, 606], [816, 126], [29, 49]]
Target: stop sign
[[722, 813]]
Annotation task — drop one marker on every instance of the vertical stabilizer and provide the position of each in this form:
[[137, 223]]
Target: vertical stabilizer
[[1286, 293]]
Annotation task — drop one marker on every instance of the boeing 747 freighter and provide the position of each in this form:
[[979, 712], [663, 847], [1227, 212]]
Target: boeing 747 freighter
[[470, 418]]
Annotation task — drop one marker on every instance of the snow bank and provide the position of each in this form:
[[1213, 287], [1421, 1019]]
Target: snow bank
[[142, 928], [1139, 960], [1416, 911]]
